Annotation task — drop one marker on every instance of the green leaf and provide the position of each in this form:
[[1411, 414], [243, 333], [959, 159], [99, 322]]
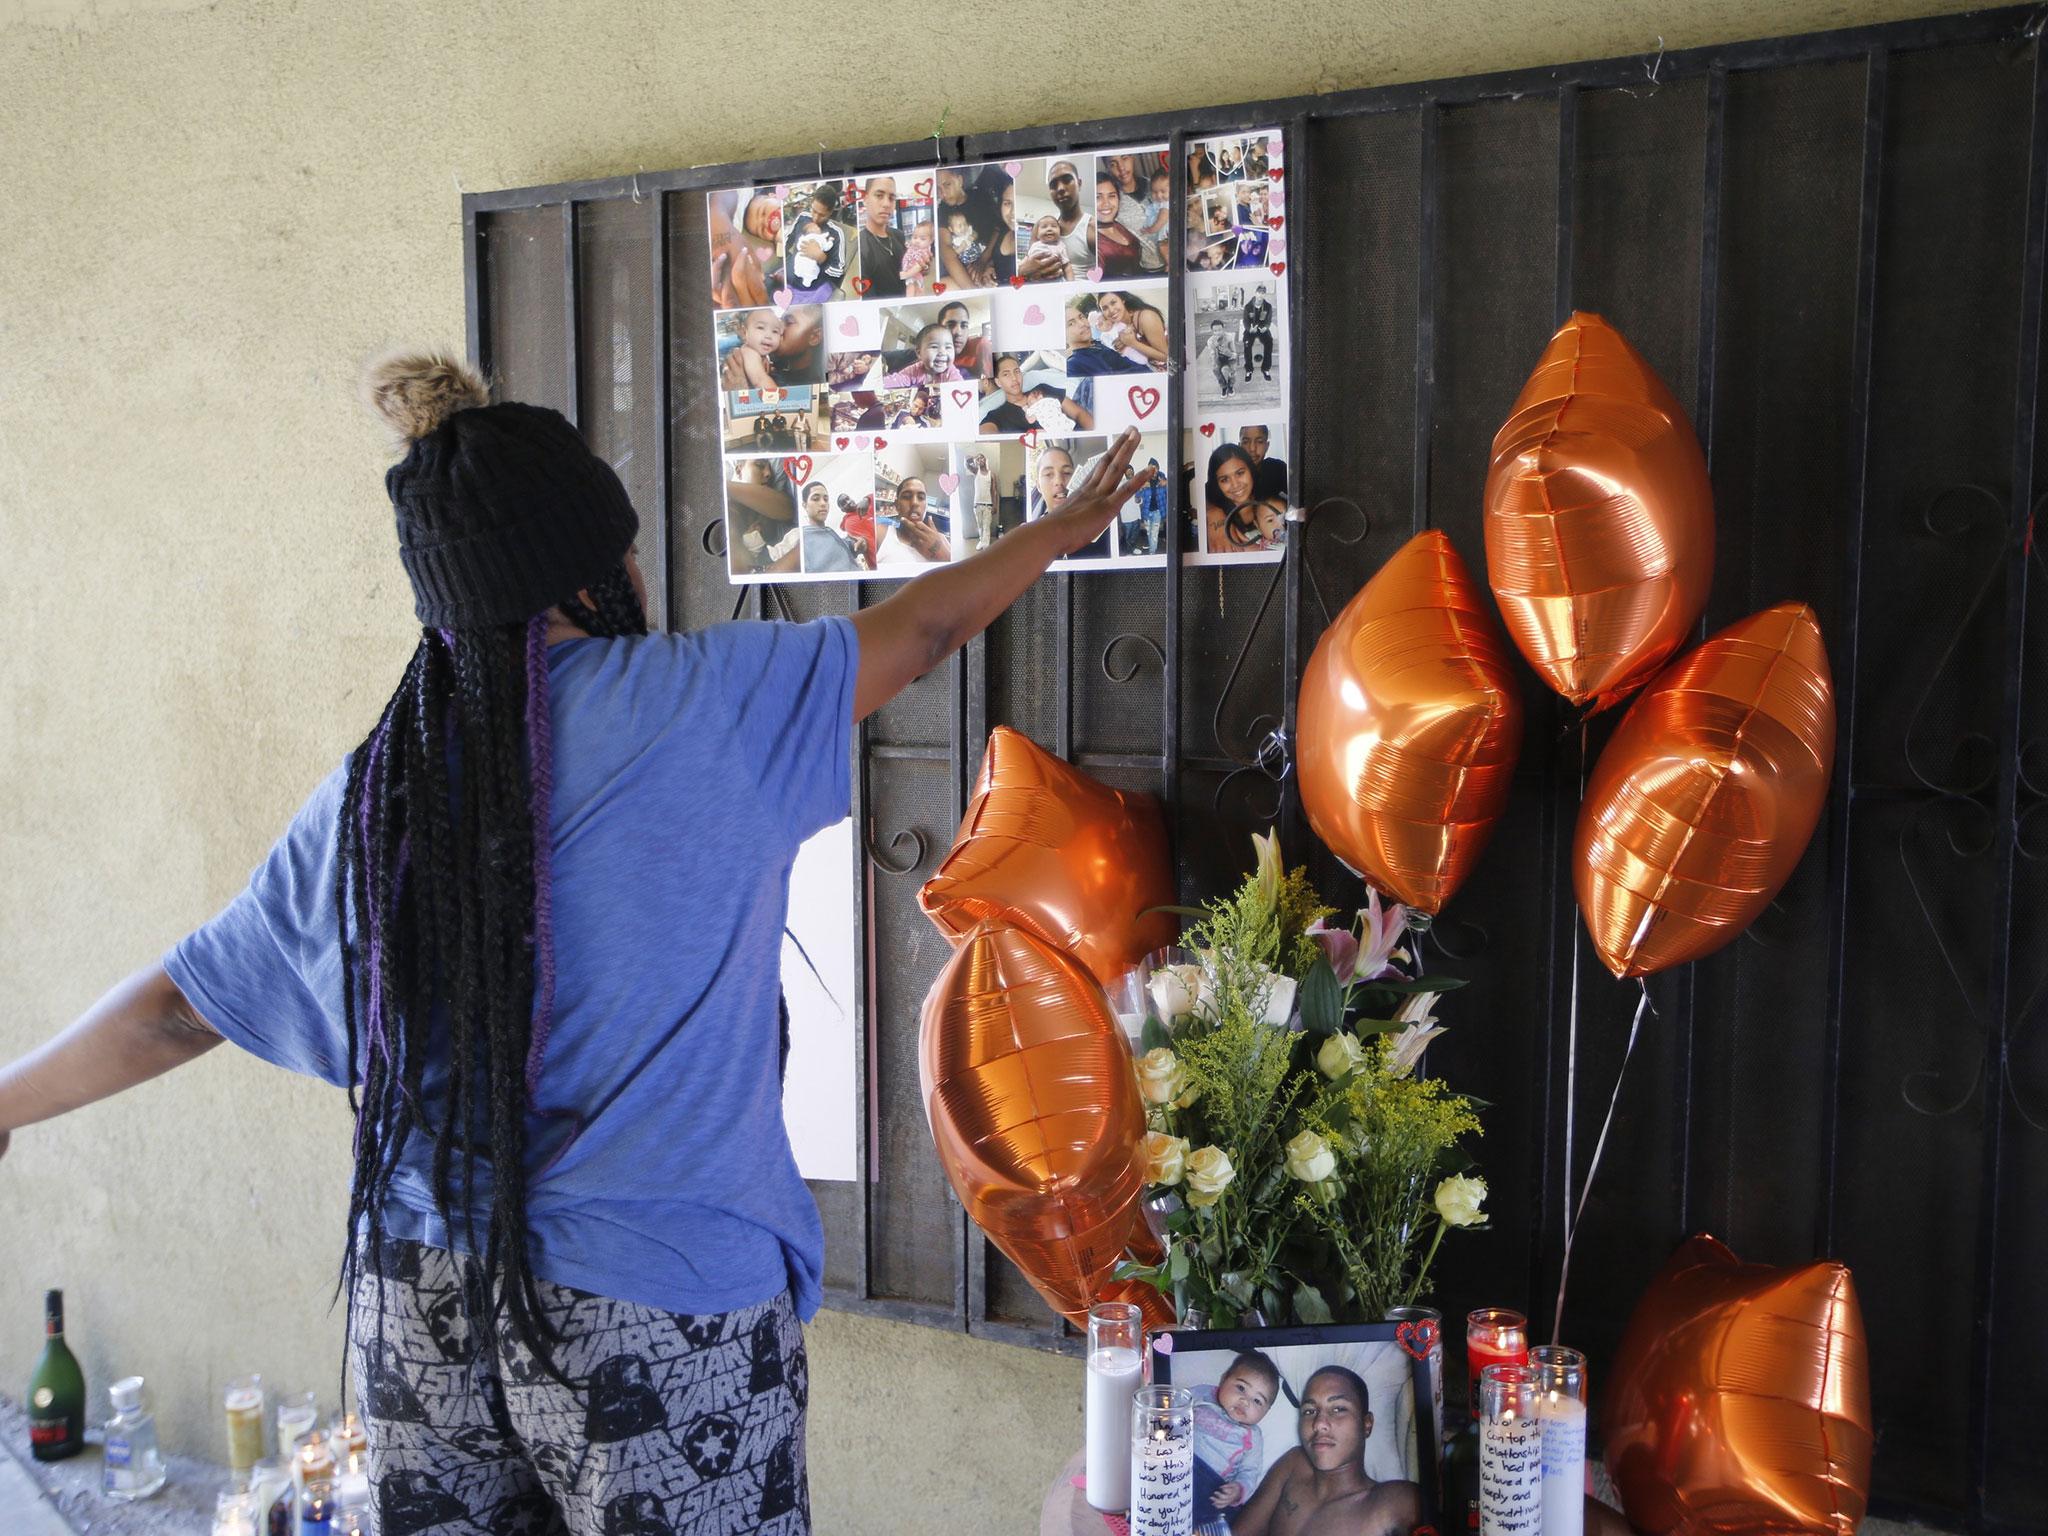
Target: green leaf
[[1238, 1288], [1177, 1266], [1131, 1269], [1377, 1026], [1194, 912], [1272, 1303], [1212, 1251], [1181, 1220], [1407, 985], [1309, 1306], [1154, 1034], [1322, 1000]]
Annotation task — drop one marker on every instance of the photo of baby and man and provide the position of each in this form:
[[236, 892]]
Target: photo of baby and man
[[1330, 1425], [911, 362]]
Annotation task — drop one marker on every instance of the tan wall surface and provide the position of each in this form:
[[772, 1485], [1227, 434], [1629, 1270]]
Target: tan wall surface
[[209, 215]]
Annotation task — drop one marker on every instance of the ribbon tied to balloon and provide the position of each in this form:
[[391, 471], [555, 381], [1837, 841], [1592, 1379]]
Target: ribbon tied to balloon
[[1740, 1400], [1599, 518], [1408, 726], [1051, 888]]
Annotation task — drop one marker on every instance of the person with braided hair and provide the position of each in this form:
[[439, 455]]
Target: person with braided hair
[[578, 1252]]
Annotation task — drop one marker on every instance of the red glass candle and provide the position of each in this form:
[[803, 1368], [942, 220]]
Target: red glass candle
[[1493, 1336]]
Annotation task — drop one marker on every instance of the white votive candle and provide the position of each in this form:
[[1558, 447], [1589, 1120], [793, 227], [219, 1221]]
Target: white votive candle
[[1510, 1453], [1113, 1375], [1563, 1421]]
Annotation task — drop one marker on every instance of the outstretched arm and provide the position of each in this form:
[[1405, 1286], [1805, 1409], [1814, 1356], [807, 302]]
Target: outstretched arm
[[931, 618], [139, 1030]]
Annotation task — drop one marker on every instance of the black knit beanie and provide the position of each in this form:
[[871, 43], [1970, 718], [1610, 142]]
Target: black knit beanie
[[502, 509]]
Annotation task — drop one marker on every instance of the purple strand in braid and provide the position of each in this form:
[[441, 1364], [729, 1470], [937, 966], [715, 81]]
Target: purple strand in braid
[[374, 1021], [540, 747]]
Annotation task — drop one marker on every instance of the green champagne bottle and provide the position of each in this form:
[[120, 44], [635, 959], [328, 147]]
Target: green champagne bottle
[[56, 1392]]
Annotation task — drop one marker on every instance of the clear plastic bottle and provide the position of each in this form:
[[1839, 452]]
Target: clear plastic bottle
[[133, 1467]]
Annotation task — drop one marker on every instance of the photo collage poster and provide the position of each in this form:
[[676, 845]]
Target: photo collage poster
[[1239, 349], [912, 363]]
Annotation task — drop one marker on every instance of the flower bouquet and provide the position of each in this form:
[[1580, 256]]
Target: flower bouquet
[[1297, 1161]]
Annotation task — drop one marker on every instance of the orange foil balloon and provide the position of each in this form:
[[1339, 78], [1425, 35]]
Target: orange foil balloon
[[1035, 1111], [1045, 846], [1740, 1400], [1408, 727], [1705, 797], [1599, 518]]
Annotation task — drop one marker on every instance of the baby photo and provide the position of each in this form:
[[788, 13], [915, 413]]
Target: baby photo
[[941, 341], [760, 518], [1034, 390], [1300, 1417], [769, 348], [976, 215], [746, 246], [1133, 208], [1212, 253], [896, 251], [1253, 203], [818, 233], [1054, 226], [850, 370]]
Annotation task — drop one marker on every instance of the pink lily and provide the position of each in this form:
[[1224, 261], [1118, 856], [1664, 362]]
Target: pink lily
[[1383, 930], [1340, 948]]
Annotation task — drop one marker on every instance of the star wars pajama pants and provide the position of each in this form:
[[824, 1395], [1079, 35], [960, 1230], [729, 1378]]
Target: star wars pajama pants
[[677, 1426]]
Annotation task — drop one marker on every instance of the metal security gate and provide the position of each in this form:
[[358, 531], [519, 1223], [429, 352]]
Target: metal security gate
[[1832, 248]]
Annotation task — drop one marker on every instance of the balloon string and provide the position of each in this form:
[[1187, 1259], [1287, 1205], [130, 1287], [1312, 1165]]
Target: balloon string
[[1571, 1230], [1571, 1059]]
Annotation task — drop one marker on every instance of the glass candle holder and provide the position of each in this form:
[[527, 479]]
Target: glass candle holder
[[298, 1415], [350, 1445], [1116, 1369], [1510, 1453], [1162, 1461], [1561, 1410], [243, 1404], [1493, 1336]]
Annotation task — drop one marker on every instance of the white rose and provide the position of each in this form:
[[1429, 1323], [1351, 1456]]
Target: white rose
[[1176, 990], [1160, 1076], [1458, 1200], [1209, 1174], [1278, 996], [1164, 1157], [1310, 1159], [1340, 1056]]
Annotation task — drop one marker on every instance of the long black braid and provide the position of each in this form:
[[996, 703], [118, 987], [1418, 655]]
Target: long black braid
[[445, 920]]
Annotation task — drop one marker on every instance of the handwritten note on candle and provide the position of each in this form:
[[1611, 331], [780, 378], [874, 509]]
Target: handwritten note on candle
[[1163, 1487], [1510, 1473]]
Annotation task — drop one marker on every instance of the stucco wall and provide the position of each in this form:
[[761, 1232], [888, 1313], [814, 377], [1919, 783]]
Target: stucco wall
[[209, 214]]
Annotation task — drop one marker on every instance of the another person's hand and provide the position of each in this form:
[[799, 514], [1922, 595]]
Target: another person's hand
[[1092, 505], [1229, 1496], [1037, 268]]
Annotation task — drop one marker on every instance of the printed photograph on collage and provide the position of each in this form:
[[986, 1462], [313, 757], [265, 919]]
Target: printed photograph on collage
[[911, 364], [1238, 345]]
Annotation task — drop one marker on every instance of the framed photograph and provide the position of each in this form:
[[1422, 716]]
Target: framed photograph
[[1339, 1417]]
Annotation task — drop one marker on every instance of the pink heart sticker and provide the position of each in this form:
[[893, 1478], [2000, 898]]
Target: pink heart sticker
[[949, 483], [1143, 401], [1033, 315], [1162, 1343], [850, 326], [784, 298], [1095, 274], [860, 442], [782, 189], [1013, 168], [963, 398]]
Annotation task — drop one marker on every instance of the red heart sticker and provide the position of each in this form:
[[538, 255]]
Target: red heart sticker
[[1278, 172], [799, 468], [862, 285], [923, 188], [1208, 429], [1278, 268], [844, 442], [1144, 401], [881, 442], [963, 398], [1417, 1339], [1031, 438], [1016, 282], [1276, 221], [938, 287]]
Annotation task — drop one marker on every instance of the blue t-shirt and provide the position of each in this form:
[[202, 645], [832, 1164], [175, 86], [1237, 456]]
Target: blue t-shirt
[[687, 770]]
